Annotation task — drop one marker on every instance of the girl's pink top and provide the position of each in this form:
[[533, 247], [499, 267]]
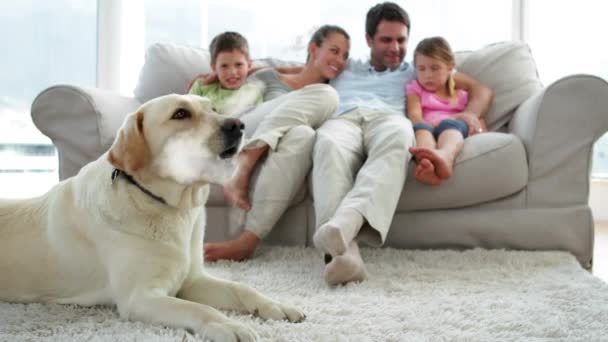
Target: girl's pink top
[[434, 108]]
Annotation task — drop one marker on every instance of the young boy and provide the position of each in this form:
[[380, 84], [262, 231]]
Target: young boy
[[231, 63]]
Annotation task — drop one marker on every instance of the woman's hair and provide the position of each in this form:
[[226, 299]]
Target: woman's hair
[[226, 42], [438, 48], [322, 33]]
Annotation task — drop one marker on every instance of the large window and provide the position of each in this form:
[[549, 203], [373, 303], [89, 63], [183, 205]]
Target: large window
[[44, 43], [54, 42], [567, 38]]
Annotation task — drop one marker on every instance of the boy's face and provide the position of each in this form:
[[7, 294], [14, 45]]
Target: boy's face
[[231, 68]]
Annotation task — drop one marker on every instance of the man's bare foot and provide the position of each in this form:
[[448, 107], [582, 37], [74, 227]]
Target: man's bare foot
[[236, 192], [425, 173], [442, 162], [239, 249]]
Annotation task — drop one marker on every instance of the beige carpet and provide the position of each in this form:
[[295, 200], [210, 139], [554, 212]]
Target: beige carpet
[[474, 295]]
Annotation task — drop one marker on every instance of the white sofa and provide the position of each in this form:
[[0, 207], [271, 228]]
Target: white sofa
[[523, 186]]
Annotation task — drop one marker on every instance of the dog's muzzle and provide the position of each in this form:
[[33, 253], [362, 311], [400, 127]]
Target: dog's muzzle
[[232, 130]]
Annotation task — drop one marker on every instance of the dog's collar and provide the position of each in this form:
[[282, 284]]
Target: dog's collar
[[130, 179]]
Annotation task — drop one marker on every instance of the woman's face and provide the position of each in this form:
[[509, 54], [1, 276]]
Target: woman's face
[[330, 58]]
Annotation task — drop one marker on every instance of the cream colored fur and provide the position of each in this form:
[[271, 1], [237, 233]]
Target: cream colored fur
[[92, 241]]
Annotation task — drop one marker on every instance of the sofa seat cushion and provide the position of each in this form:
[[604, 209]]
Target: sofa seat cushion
[[490, 166]]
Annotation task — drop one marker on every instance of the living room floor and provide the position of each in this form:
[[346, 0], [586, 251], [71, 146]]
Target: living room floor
[[600, 251]]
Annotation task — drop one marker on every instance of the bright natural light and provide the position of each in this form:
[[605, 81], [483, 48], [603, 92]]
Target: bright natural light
[[58, 44]]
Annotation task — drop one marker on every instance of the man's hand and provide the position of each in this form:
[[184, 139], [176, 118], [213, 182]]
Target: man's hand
[[472, 121]]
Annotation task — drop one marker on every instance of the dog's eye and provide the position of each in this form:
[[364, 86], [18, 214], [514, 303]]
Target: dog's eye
[[181, 114]]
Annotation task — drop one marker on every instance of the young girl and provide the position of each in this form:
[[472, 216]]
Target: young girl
[[435, 108]]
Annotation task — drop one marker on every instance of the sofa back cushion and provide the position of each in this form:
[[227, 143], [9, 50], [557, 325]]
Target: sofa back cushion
[[509, 69], [168, 68]]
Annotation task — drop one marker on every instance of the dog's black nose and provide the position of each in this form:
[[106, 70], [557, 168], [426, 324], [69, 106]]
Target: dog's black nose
[[232, 130], [232, 126]]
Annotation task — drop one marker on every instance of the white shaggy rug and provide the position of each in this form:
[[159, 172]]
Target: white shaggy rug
[[474, 295]]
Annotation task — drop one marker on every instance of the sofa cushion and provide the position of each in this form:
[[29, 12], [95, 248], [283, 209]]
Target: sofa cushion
[[509, 69], [490, 166], [168, 68]]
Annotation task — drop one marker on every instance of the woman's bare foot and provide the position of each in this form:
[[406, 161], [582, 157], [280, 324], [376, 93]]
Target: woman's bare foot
[[236, 192], [239, 249], [425, 173], [441, 160]]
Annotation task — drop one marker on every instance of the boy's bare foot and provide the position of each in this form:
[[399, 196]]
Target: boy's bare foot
[[442, 162], [239, 249], [425, 173], [236, 192]]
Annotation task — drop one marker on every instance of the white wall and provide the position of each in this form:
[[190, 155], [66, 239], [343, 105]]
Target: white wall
[[598, 199]]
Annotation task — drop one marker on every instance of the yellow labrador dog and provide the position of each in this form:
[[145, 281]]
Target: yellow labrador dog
[[128, 229]]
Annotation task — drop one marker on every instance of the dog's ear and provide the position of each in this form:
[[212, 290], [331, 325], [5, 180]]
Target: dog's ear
[[130, 152]]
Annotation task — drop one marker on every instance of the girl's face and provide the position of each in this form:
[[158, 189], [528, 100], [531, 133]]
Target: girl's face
[[330, 58], [432, 73], [231, 68]]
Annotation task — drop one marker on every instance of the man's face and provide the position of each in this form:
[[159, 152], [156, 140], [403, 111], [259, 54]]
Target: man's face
[[388, 45]]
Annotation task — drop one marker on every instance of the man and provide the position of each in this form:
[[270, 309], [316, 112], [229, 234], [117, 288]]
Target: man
[[360, 156]]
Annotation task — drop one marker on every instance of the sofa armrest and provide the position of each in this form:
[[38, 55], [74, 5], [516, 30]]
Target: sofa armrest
[[81, 122], [558, 127]]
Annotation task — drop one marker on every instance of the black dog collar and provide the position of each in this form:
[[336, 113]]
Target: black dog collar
[[130, 179]]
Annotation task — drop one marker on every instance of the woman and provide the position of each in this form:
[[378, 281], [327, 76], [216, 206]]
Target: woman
[[283, 128]]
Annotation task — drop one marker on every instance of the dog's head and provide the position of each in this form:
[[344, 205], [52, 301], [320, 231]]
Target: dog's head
[[178, 138]]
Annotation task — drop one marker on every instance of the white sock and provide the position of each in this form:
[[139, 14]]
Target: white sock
[[346, 268], [334, 236]]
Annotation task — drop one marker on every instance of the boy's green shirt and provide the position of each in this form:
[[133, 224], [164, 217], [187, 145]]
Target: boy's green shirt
[[225, 99]]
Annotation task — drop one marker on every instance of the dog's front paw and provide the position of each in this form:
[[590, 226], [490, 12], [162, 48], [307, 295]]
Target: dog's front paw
[[229, 331], [278, 311]]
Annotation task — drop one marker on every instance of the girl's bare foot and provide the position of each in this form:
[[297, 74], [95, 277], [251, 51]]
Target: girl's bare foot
[[239, 249], [236, 192], [425, 173], [441, 160]]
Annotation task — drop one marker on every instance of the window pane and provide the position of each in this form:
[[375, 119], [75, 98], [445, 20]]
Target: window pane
[[271, 33], [173, 21], [600, 158], [569, 41], [49, 42], [466, 24]]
